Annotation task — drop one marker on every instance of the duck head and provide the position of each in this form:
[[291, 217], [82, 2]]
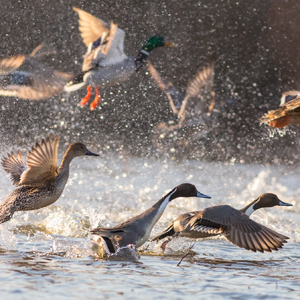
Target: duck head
[[264, 200], [185, 190], [156, 41], [79, 149]]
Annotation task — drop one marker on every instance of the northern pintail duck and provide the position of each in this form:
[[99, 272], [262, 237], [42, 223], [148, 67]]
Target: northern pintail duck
[[178, 101], [42, 183], [136, 230], [287, 114], [105, 63], [24, 76], [234, 224]]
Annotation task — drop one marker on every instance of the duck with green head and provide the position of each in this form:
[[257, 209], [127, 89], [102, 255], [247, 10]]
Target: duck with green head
[[105, 63]]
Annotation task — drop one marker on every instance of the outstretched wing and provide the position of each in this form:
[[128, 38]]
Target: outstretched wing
[[8, 65], [204, 78], [238, 229], [91, 28], [42, 163], [174, 96], [14, 165]]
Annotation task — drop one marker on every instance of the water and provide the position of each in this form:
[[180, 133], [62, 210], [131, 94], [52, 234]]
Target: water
[[46, 253]]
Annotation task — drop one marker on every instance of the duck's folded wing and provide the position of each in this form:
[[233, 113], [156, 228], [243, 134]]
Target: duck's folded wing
[[91, 28], [238, 229], [14, 165], [42, 163]]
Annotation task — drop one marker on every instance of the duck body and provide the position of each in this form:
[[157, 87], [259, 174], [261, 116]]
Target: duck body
[[136, 230], [105, 76], [42, 183], [235, 225]]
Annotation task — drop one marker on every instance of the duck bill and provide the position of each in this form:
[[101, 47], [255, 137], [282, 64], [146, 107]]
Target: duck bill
[[169, 44], [281, 203], [199, 195], [91, 153]]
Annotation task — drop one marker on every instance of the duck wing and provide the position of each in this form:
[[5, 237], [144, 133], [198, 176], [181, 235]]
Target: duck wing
[[203, 80], [238, 229], [42, 163], [10, 64], [174, 96], [13, 164], [91, 28]]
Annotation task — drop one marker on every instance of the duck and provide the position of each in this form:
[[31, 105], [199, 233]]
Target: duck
[[105, 63], [42, 182], [204, 79], [287, 114], [136, 231], [235, 225], [26, 77]]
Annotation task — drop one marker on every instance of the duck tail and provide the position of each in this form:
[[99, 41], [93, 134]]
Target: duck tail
[[6, 213], [167, 232]]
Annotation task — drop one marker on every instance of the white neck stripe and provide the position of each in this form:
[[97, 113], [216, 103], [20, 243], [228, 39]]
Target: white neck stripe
[[145, 52], [250, 210]]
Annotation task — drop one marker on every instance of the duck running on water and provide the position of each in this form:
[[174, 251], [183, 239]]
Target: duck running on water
[[234, 224], [105, 63], [42, 183], [136, 230]]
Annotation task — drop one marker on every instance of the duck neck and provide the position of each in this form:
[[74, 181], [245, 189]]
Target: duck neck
[[249, 209], [153, 214], [65, 164]]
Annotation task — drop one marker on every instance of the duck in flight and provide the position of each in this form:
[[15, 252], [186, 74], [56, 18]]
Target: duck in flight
[[235, 225], [105, 63], [40, 183], [204, 79], [26, 77]]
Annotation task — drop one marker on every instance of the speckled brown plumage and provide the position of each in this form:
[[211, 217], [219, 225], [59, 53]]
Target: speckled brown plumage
[[42, 183]]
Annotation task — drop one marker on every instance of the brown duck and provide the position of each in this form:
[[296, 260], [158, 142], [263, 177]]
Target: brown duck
[[287, 114], [42, 183], [234, 224]]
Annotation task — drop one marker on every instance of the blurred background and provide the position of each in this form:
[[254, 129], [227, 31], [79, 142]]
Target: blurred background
[[253, 44]]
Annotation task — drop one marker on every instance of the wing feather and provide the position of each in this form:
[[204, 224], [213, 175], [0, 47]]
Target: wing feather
[[42, 163], [14, 165]]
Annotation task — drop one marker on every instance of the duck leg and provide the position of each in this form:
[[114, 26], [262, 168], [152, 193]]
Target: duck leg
[[87, 97], [97, 99]]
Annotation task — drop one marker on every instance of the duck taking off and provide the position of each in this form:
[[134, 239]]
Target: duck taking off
[[287, 114], [203, 81], [136, 230], [235, 225], [105, 63], [42, 183], [26, 77]]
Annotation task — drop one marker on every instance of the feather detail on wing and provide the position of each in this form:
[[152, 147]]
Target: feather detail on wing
[[205, 77], [14, 165], [8, 65], [42, 163], [91, 28], [238, 229]]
